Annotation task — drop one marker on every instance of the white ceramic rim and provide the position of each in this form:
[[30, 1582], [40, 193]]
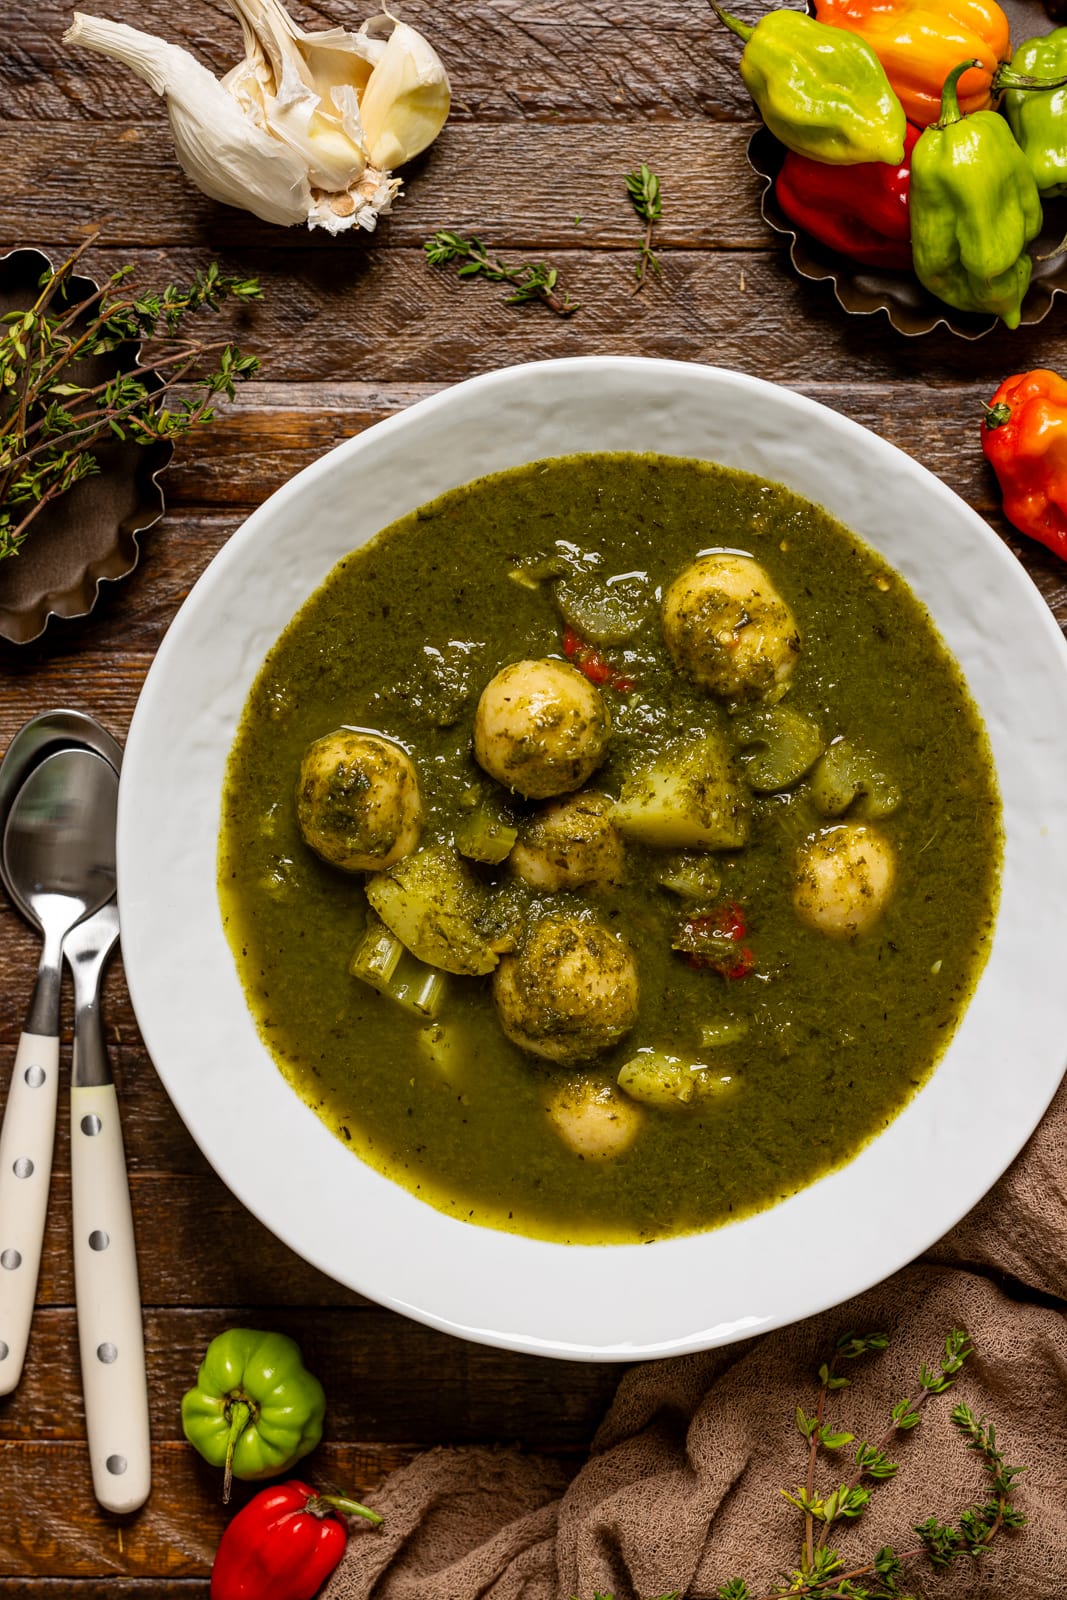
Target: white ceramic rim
[[616, 1302]]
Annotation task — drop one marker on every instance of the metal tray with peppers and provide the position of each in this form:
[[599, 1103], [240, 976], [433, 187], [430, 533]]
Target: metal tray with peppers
[[979, 242]]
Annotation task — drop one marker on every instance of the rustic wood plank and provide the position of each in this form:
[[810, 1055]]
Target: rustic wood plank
[[386, 1378], [37, 1588], [53, 1525], [507, 61], [520, 187]]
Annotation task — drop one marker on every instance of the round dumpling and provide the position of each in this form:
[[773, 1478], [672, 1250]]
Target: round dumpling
[[357, 800], [727, 627], [541, 728]]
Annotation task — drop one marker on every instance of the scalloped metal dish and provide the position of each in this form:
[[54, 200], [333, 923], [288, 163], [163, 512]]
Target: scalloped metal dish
[[90, 537], [909, 307]]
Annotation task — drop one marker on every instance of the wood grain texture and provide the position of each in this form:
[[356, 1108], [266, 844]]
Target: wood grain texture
[[553, 104]]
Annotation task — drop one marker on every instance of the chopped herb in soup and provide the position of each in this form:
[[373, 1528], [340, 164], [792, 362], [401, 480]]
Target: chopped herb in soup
[[609, 848]]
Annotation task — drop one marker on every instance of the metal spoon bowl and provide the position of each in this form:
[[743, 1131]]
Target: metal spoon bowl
[[43, 735]]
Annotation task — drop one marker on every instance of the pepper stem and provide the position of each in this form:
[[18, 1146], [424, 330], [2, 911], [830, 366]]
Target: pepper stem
[[240, 1414], [321, 1505], [996, 416], [1006, 78], [950, 100], [744, 30]]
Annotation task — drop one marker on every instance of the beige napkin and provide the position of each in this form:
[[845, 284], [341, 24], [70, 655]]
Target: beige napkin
[[681, 1487]]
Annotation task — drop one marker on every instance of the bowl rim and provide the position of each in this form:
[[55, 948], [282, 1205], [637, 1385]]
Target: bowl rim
[[588, 1302]]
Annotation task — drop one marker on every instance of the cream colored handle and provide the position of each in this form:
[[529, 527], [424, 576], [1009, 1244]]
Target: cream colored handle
[[110, 1330], [26, 1140]]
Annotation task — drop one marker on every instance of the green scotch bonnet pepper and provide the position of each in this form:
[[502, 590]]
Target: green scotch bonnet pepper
[[1038, 118], [974, 208], [821, 91], [255, 1410]]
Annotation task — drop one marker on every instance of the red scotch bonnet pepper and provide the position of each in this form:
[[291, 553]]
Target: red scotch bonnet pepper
[[284, 1544], [860, 211], [1024, 437]]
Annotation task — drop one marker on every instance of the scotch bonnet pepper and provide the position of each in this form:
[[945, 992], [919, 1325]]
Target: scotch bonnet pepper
[[974, 209], [920, 41], [821, 92], [860, 211], [1039, 120], [1024, 437], [284, 1544], [255, 1409]]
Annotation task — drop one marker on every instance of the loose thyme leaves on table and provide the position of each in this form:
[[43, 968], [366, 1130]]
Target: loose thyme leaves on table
[[643, 188], [51, 426], [822, 1572], [533, 280]]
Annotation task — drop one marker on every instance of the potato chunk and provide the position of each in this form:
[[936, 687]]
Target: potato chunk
[[689, 799], [432, 903]]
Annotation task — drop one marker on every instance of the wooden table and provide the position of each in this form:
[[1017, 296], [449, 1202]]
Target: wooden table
[[553, 105]]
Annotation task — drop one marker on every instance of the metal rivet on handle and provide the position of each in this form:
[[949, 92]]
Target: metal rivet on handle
[[10, 1259], [4, 1351], [91, 1124], [34, 1077], [23, 1167], [107, 1353], [116, 1465], [99, 1240]]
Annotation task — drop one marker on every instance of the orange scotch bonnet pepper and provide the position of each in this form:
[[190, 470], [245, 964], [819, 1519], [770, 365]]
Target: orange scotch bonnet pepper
[[1024, 437], [919, 42]]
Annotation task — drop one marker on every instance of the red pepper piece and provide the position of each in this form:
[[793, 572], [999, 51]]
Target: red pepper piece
[[284, 1544], [597, 668], [712, 939], [1024, 437], [860, 211]]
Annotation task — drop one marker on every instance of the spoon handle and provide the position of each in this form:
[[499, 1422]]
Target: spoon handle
[[26, 1140], [110, 1329]]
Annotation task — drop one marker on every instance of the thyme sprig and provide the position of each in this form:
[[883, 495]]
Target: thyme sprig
[[532, 280], [822, 1571], [51, 426], [823, 1574], [643, 189]]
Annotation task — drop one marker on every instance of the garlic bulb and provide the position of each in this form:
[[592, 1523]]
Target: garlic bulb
[[308, 126]]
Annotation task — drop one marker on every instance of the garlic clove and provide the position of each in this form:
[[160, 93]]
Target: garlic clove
[[404, 106], [326, 132], [220, 149]]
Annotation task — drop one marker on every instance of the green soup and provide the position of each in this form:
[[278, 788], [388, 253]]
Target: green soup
[[804, 1055]]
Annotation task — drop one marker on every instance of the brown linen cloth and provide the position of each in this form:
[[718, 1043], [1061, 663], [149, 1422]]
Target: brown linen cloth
[[681, 1487]]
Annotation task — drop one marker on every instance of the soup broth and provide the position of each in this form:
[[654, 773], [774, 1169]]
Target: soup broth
[[802, 1045]]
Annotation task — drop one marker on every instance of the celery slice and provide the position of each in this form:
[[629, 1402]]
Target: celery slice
[[381, 961]]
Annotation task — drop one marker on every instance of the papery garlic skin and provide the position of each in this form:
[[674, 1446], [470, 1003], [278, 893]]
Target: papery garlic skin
[[285, 133], [225, 154]]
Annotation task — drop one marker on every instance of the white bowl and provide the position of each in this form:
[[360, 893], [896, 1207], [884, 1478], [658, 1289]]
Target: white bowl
[[615, 1302]]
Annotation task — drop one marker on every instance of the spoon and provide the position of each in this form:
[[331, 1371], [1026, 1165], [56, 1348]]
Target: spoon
[[54, 859]]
